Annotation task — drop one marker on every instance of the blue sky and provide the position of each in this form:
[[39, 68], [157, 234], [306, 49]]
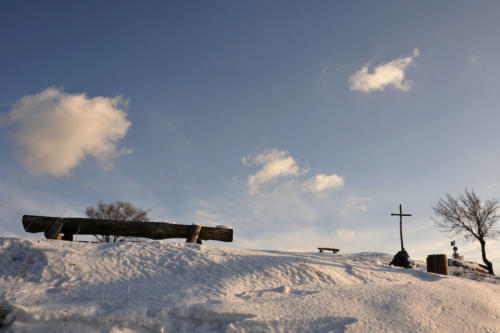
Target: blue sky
[[301, 124]]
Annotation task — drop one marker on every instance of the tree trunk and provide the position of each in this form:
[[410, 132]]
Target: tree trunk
[[485, 260], [437, 263]]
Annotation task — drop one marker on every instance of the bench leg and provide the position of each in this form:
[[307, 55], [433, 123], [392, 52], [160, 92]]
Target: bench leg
[[320, 251], [193, 233], [67, 237]]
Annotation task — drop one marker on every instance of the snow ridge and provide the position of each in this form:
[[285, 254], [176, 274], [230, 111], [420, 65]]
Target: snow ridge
[[163, 286]]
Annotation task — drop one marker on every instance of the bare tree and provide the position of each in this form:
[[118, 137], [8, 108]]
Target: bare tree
[[118, 211], [467, 215]]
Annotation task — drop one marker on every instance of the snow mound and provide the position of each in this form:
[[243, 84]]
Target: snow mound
[[177, 287]]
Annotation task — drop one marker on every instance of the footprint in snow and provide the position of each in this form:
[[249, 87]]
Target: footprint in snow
[[283, 290]]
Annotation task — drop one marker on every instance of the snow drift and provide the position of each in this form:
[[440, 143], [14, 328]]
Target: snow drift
[[163, 286]]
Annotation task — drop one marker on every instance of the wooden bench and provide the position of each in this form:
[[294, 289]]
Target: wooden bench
[[321, 249], [53, 227]]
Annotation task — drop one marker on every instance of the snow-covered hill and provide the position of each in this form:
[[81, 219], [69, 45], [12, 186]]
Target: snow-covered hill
[[56, 286]]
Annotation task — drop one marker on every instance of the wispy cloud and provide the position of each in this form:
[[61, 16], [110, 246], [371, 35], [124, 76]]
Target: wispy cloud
[[298, 239], [308, 238], [324, 71], [322, 182], [203, 213], [356, 204], [345, 233], [206, 217], [57, 130], [275, 163], [16, 200], [391, 74], [474, 60]]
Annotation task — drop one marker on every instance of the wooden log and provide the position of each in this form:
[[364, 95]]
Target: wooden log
[[53, 228], [193, 233], [152, 230], [67, 237], [437, 263]]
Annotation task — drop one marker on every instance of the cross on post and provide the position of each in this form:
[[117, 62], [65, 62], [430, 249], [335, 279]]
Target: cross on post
[[400, 224]]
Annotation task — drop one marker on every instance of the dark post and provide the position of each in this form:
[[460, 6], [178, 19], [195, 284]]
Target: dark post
[[400, 224], [67, 237], [54, 229], [193, 233]]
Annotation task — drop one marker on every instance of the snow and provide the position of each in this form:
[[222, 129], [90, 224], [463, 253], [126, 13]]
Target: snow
[[159, 286]]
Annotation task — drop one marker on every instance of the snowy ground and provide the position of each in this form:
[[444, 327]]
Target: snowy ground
[[57, 286]]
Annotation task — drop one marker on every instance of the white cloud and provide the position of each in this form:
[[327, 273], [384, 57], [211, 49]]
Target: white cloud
[[275, 163], [57, 130], [322, 182], [389, 74], [345, 233]]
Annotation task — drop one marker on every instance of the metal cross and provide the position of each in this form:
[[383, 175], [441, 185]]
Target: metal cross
[[401, 224]]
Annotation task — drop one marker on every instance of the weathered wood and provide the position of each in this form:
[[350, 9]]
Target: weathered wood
[[193, 233], [400, 224], [437, 263], [321, 249], [53, 228], [152, 230]]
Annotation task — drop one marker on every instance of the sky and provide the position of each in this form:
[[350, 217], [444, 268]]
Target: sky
[[300, 124]]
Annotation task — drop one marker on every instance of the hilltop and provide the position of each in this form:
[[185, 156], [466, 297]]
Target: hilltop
[[163, 286]]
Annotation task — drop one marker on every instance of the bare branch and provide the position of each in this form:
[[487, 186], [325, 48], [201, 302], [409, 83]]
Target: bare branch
[[118, 211], [468, 216]]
